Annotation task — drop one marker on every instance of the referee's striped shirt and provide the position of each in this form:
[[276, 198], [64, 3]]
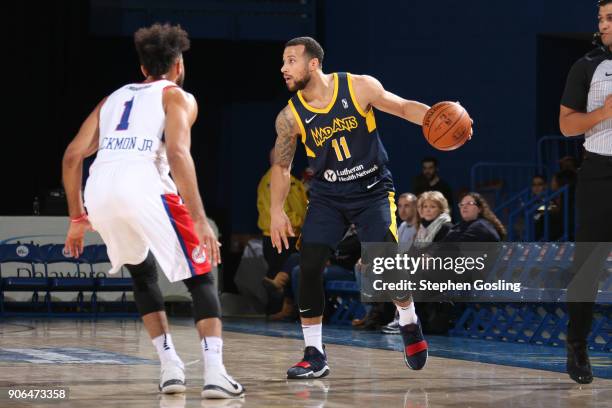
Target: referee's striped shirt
[[588, 84]]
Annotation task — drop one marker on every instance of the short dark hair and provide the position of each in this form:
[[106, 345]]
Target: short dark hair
[[408, 196], [430, 159], [311, 47], [602, 3], [159, 46], [540, 176]]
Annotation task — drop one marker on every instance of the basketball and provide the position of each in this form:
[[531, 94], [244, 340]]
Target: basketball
[[447, 125]]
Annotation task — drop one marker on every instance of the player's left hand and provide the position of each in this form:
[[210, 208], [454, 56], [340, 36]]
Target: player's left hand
[[208, 240], [75, 239]]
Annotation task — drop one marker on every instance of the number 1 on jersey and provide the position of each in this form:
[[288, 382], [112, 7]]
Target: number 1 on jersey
[[336, 146], [123, 124]]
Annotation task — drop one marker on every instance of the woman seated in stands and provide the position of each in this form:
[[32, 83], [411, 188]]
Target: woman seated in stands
[[478, 223], [435, 219]]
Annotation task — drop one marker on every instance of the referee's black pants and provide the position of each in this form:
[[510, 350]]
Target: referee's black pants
[[593, 238]]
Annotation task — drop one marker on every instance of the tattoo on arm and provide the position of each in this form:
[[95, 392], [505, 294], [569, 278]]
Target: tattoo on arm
[[286, 139]]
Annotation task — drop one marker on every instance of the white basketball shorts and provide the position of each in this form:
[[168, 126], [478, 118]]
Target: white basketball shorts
[[128, 206]]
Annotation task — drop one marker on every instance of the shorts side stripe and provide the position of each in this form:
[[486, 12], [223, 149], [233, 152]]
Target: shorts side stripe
[[178, 234]]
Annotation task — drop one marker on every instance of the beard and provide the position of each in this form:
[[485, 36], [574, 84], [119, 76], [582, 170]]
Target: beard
[[300, 84]]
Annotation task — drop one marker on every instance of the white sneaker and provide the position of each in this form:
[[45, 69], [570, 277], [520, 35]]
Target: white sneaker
[[172, 378], [219, 384]]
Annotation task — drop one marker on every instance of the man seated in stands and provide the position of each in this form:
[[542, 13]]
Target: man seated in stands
[[429, 180], [556, 209], [407, 211], [538, 185]]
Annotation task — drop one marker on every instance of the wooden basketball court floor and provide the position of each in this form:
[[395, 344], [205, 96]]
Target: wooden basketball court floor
[[112, 363]]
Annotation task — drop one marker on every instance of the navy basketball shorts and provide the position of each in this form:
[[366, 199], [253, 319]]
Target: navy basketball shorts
[[369, 204]]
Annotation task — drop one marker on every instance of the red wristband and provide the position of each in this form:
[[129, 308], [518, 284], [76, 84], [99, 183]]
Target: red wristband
[[80, 218]]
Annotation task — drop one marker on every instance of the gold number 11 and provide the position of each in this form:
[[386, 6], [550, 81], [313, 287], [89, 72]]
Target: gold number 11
[[347, 153]]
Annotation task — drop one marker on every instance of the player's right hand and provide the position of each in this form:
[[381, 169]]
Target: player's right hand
[[208, 240], [75, 238], [280, 228]]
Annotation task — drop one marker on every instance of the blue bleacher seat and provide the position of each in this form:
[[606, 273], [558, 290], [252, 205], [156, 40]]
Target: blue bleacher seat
[[106, 284], [110, 284], [76, 281], [34, 281]]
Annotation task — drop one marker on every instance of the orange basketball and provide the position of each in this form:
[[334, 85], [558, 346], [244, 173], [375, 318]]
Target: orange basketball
[[447, 125]]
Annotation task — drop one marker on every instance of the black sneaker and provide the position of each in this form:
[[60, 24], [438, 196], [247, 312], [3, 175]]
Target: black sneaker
[[313, 365], [415, 346], [578, 364]]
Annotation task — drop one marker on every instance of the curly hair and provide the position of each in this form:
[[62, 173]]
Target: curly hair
[[436, 197], [159, 46], [487, 213]]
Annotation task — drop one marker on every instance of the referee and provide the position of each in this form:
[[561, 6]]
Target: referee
[[586, 107]]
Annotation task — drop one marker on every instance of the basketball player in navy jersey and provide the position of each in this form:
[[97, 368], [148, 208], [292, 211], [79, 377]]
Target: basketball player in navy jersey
[[140, 133], [333, 116]]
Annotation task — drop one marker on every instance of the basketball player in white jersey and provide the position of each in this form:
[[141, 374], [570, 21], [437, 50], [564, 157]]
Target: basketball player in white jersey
[[140, 133]]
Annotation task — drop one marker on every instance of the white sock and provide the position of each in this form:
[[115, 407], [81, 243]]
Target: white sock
[[212, 349], [313, 336], [407, 315], [165, 349]]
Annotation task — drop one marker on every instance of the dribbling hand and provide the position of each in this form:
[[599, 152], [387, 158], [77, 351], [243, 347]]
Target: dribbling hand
[[280, 228]]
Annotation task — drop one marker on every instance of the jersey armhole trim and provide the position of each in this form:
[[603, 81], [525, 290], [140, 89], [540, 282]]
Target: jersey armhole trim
[[353, 98], [309, 152]]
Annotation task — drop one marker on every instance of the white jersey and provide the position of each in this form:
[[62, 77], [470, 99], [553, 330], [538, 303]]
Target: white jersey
[[130, 198], [132, 122]]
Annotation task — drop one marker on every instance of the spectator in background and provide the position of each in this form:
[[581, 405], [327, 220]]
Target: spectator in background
[[435, 219], [281, 285], [556, 209], [538, 185], [295, 208], [435, 223], [478, 223], [339, 267], [307, 175], [407, 210], [537, 194], [429, 180]]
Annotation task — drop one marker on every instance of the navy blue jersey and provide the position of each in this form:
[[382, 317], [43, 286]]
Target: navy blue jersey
[[341, 140]]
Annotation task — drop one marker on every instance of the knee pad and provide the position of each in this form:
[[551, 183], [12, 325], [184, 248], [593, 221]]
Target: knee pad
[[204, 296], [147, 295], [311, 293]]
